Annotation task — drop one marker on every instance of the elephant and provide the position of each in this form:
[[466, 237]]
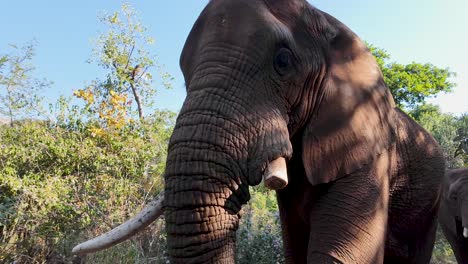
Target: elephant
[[453, 215], [281, 91]]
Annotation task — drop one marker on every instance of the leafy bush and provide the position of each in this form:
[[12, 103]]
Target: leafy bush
[[442, 253], [444, 128], [259, 237], [58, 183]]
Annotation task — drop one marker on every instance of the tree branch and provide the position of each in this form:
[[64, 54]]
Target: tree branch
[[137, 99], [129, 56]]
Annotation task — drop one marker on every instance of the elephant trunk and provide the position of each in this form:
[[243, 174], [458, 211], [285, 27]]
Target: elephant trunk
[[203, 192], [225, 139], [464, 215]]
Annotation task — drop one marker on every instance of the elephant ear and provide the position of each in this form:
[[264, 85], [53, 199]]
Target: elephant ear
[[453, 189], [354, 120]]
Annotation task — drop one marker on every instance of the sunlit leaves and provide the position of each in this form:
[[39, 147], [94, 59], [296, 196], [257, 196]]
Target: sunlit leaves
[[259, 237], [86, 95], [462, 139], [125, 52], [56, 180], [111, 110], [19, 90], [412, 84], [445, 128], [127, 91]]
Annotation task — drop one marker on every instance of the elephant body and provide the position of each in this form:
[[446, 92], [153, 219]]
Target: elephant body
[[274, 79], [281, 91], [453, 215], [413, 175]]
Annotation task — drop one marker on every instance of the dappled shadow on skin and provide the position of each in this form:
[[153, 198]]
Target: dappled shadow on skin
[[344, 160], [327, 213], [335, 212], [354, 147]]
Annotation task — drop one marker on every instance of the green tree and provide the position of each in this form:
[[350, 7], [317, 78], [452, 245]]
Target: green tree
[[444, 128], [3, 60], [412, 84], [449, 130], [462, 139], [19, 94], [123, 51]]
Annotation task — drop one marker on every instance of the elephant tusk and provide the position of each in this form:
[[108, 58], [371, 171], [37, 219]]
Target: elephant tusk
[[465, 232], [124, 231], [275, 176]]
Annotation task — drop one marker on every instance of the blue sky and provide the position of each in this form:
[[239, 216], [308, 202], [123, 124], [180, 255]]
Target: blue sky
[[432, 31]]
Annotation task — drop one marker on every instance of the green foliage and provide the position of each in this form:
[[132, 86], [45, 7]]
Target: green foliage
[[442, 253], [19, 91], [444, 128], [92, 167], [259, 237], [123, 52], [59, 183], [462, 139], [412, 84], [3, 60]]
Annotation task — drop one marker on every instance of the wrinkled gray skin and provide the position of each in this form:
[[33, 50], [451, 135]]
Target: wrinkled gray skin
[[275, 78], [453, 215]]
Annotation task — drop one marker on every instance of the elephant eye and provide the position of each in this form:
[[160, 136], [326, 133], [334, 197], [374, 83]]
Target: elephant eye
[[283, 61]]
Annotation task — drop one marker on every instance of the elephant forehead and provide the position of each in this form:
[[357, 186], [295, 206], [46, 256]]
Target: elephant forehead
[[285, 10], [240, 20], [234, 16], [458, 179]]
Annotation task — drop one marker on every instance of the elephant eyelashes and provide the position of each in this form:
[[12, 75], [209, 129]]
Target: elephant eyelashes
[[283, 61]]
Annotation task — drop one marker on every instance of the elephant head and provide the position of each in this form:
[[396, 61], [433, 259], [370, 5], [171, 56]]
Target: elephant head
[[457, 199], [266, 80], [453, 215]]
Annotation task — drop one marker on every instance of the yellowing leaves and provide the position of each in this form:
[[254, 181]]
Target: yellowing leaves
[[118, 100], [111, 110], [97, 132], [86, 95], [114, 110], [114, 19]]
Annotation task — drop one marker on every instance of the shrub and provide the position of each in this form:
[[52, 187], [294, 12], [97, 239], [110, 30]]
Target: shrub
[[259, 237], [60, 183]]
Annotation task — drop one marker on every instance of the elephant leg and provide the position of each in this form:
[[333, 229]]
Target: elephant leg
[[411, 249], [295, 232], [462, 248], [459, 243], [295, 227], [412, 223], [348, 223], [426, 244]]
